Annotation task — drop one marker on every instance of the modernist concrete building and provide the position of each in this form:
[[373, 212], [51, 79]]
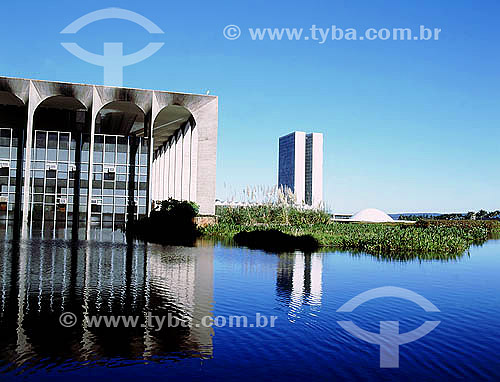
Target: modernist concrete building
[[301, 166], [74, 155]]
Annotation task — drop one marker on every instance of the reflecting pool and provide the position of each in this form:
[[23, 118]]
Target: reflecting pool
[[198, 290]]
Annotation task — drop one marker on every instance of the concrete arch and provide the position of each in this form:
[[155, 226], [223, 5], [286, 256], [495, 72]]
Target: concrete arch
[[116, 112], [121, 118], [10, 99], [105, 95], [56, 109], [61, 101], [175, 159]]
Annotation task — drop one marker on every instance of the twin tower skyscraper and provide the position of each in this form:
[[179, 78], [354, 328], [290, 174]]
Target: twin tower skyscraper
[[301, 166]]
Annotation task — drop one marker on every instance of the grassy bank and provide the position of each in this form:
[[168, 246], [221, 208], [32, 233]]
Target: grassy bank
[[427, 239]]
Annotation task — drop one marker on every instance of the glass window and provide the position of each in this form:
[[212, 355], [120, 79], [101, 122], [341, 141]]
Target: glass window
[[63, 155], [64, 141], [50, 199], [4, 152], [40, 140], [109, 157], [120, 201], [52, 140], [121, 158], [98, 156], [107, 217], [110, 143], [52, 154], [85, 156]]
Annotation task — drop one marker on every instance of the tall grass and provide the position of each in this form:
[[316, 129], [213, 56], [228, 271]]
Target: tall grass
[[430, 239]]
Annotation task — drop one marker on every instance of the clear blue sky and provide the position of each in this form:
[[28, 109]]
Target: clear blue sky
[[409, 126]]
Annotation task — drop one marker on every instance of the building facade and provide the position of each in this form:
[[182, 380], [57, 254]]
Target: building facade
[[300, 166], [87, 156]]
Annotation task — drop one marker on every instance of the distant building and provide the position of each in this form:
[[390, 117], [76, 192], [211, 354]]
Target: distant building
[[301, 166]]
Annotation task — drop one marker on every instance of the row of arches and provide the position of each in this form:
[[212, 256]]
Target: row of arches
[[88, 154]]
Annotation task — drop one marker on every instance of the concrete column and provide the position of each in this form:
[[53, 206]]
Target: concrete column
[[159, 174], [34, 99], [148, 127], [80, 122], [206, 119], [156, 179], [151, 117], [161, 171], [21, 138], [155, 176], [166, 173], [186, 161], [95, 108], [178, 165], [131, 206], [194, 163], [171, 168]]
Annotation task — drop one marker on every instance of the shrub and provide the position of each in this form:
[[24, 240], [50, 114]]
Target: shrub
[[170, 223]]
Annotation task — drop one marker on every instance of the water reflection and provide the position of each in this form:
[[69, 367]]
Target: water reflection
[[40, 279], [299, 281]]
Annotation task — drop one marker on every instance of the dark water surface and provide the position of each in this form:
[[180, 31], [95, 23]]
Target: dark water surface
[[41, 279]]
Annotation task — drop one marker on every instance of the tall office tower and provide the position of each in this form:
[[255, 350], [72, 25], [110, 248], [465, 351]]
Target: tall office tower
[[301, 166]]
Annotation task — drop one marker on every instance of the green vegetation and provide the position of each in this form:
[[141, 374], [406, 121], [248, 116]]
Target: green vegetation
[[428, 239], [479, 215], [171, 222]]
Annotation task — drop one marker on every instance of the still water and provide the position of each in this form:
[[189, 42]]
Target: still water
[[42, 278]]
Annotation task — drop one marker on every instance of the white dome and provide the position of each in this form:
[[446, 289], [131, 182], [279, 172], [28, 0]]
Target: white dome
[[371, 215]]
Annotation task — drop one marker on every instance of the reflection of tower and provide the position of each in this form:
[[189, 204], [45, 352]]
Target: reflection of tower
[[299, 281]]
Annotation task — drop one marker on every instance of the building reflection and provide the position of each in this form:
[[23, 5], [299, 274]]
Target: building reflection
[[40, 279], [299, 281]]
